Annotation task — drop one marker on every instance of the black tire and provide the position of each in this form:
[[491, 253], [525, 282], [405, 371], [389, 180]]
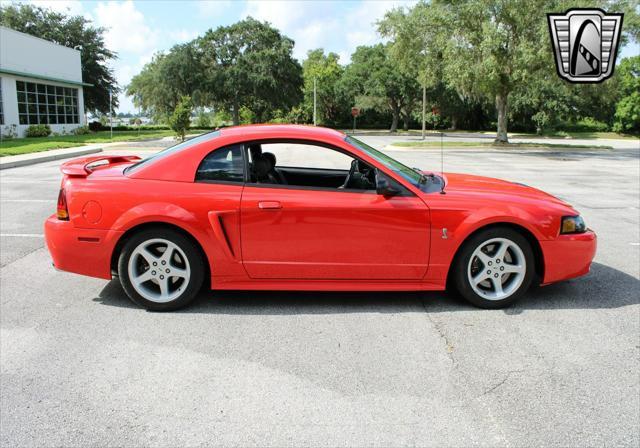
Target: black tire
[[191, 287], [461, 264]]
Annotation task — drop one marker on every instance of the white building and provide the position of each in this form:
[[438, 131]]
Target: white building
[[40, 83]]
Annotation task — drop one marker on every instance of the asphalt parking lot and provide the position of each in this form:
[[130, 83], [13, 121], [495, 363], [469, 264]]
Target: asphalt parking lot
[[80, 365]]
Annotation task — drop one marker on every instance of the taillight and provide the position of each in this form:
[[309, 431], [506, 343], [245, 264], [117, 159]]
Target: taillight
[[62, 211]]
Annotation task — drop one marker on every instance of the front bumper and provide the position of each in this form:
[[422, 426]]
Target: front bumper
[[81, 251], [568, 256]]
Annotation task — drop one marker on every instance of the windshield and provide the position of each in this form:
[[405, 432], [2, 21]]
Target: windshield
[[172, 149], [411, 175]]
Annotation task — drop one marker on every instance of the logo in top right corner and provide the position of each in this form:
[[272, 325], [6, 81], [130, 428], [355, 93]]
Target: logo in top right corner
[[585, 42]]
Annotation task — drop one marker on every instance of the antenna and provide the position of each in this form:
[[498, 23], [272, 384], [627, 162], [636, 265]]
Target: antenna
[[442, 161]]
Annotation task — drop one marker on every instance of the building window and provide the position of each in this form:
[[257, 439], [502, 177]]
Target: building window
[[1, 109], [46, 104]]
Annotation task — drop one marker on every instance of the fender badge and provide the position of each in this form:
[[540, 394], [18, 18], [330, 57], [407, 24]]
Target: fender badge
[[444, 233]]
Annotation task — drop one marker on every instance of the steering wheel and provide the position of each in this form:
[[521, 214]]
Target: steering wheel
[[354, 169]]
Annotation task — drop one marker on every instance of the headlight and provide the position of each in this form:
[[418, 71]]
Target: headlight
[[572, 224]]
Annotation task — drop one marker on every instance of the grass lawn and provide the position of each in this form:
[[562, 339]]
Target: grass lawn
[[36, 144], [436, 144], [586, 135], [553, 135], [563, 134]]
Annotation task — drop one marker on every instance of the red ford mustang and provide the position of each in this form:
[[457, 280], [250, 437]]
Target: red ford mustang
[[304, 208]]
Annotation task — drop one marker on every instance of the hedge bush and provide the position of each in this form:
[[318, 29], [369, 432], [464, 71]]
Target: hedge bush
[[38, 130], [95, 126], [586, 124], [82, 130]]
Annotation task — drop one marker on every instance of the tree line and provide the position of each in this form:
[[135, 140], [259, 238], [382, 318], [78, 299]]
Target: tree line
[[472, 64], [476, 64]]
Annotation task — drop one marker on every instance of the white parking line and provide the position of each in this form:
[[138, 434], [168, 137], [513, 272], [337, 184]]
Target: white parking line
[[28, 200], [26, 181], [635, 244], [22, 235]]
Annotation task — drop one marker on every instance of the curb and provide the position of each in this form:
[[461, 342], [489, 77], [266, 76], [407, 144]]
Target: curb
[[46, 158], [523, 147]]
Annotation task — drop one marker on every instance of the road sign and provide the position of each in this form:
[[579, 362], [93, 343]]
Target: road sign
[[355, 111]]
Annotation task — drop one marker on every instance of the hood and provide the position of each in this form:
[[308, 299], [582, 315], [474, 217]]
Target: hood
[[502, 189]]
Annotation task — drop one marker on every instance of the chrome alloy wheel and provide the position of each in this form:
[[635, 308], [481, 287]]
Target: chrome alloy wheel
[[496, 269], [159, 270]]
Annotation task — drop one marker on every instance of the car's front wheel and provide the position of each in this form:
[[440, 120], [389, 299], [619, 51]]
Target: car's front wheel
[[160, 269], [495, 268]]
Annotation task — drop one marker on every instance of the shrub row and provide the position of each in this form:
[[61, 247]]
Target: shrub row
[[44, 130], [96, 126], [38, 130]]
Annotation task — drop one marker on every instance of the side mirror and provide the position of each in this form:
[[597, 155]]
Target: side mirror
[[383, 186]]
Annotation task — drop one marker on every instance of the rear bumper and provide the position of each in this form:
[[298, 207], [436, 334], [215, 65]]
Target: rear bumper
[[81, 251], [568, 256]]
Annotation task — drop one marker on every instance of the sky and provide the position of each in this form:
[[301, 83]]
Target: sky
[[138, 29]]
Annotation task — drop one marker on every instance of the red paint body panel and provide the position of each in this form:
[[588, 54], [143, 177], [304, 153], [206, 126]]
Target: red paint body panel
[[333, 235], [90, 257], [268, 237], [569, 256]]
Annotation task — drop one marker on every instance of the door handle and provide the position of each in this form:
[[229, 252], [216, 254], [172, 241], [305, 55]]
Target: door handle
[[269, 205]]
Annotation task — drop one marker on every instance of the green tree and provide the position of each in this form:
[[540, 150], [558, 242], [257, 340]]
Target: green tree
[[499, 50], [631, 10], [494, 46], [162, 83], [477, 47], [326, 71], [74, 32], [543, 103], [418, 38], [180, 120], [204, 119], [250, 64], [627, 116], [379, 83]]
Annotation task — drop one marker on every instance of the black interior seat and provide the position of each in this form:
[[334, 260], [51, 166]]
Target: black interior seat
[[274, 171], [263, 170]]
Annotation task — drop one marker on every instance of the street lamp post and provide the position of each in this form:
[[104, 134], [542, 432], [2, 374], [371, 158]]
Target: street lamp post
[[110, 114], [424, 110], [315, 102]]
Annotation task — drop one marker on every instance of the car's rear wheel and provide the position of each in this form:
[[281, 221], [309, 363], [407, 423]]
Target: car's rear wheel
[[495, 268], [160, 269]]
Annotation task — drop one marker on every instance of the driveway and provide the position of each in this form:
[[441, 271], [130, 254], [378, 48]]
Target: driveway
[[80, 365]]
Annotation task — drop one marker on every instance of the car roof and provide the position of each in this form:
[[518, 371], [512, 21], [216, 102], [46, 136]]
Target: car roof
[[259, 131], [181, 165]]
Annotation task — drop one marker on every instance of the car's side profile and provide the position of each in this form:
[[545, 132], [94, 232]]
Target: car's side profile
[[277, 207]]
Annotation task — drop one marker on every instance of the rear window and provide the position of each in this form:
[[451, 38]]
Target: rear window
[[222, 165], [173, 149]]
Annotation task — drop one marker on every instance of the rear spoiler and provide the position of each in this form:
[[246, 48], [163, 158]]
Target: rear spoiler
[[82, 167]]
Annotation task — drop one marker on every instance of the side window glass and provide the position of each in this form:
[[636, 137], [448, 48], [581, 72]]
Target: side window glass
[[223, 164], [299, 155], [307, 165]]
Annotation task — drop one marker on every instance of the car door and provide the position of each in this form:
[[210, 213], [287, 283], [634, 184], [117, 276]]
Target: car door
[[306, 232]]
